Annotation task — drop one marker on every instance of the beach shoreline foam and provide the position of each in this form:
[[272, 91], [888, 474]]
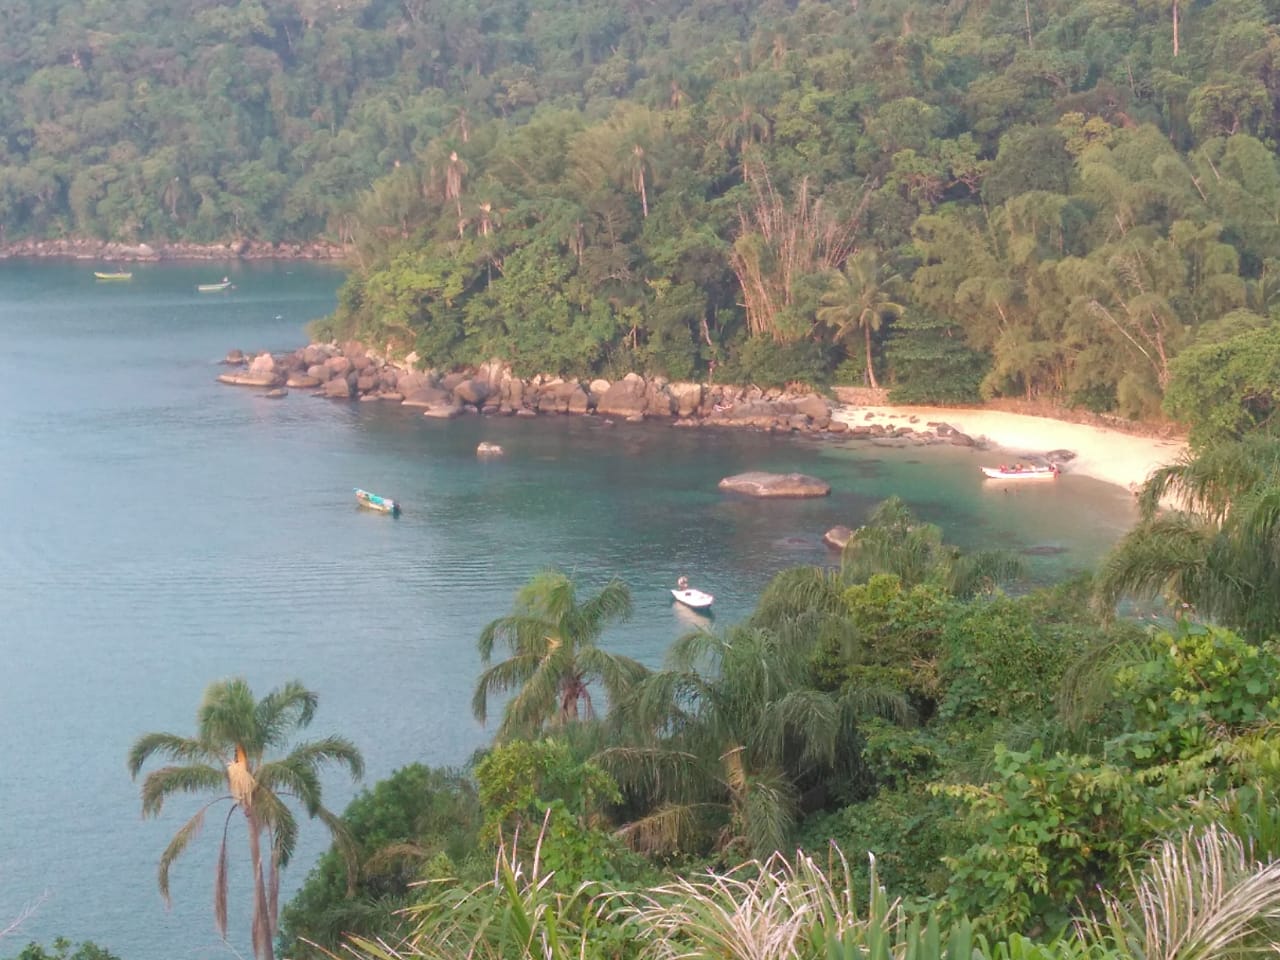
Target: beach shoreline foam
[[1112, 456]]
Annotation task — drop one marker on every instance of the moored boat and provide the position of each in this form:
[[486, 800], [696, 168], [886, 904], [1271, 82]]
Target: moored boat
[[112, 275], [694, 599], [213, 287], [1020, 472], [375, 502]]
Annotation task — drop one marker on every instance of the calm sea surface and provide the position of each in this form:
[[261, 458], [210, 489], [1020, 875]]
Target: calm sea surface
[[159, 531]]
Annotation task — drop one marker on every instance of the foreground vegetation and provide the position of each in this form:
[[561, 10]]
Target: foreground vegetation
[[1017, 766]]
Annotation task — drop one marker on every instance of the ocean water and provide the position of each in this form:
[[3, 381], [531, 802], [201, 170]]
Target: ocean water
[[159, 531]]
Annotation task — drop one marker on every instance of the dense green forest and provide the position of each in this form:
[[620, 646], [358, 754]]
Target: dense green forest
[[1076, 203]]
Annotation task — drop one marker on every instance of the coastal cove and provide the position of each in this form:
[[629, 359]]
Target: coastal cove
[[164, 530]]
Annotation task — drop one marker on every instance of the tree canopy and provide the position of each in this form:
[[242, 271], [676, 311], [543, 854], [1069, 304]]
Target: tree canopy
[[1067, 199]]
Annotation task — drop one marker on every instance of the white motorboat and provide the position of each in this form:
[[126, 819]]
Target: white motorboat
[[1021, 473], [694, 598]]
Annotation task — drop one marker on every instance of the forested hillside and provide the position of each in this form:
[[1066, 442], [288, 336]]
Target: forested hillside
[[1036, 198]]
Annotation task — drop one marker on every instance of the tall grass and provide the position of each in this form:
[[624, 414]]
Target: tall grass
[[1201, 897]]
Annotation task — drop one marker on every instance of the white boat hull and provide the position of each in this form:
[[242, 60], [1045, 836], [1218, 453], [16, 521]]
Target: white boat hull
[[1035, 473], [695, 599]]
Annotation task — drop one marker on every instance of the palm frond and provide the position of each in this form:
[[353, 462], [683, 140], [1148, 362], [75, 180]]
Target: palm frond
[[344, 843], [796, 592], [617, 673], [1200, 898], [220, 887], [166, 745], [657, 769], [181, 840], [502, 677], [283, 710], [161, 784], [328, 750], [291, 775], [1166, 555], [769, 811], [671, 827], [612, 604], [537, 701]]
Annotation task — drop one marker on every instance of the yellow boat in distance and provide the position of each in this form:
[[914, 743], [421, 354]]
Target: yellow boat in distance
[[118, 275]]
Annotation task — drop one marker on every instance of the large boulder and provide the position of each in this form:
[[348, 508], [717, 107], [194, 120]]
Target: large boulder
[[246, 379], [339, 388], [760, 484], [338, 366], [512, 392], [658, 402], [319, 372], [579, 401], [626, 398], [263, 365], [411, 382], [687, 397], [486, 449], [443, 411], [427, 397], [313, 354], [450, 381], [474, 391], [812, 406], [301, 381]]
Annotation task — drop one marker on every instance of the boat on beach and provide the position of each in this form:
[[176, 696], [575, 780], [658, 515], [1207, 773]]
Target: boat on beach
[[225, 284], [375, 502], [1020, 472], [112, 275], [694, 599]]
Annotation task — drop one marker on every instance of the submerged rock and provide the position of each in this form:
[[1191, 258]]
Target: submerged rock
[[760, 484]]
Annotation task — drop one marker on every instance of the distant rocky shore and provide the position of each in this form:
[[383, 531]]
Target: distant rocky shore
[[354, 373], [81, 249]]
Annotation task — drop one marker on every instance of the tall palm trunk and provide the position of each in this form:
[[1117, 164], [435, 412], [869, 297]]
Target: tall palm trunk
[[871, 373], [263, 948]]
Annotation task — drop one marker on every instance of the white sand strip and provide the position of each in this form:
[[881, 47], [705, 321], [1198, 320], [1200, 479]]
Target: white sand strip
[[1108, 455]]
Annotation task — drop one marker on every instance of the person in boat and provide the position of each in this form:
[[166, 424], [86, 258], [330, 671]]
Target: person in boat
[[682, 583]]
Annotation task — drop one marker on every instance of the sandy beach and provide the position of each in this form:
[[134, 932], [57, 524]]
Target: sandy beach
[[1108, 455]]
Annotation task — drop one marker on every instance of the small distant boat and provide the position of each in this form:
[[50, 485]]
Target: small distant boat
[[375, 502], [109, 275], [1021, 473], [694, 599], [213, 287]]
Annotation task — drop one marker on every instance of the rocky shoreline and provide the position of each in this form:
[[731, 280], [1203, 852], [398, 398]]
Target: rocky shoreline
[[351, 372], [81, 249]]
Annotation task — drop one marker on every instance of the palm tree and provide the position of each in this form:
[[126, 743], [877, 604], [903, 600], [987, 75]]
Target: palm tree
[[859, 297], [1216, 555], [725, 740], [892, 541], [228, 757], [554, 657]]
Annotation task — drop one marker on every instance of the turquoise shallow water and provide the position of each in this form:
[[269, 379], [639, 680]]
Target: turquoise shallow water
[[161, 531]]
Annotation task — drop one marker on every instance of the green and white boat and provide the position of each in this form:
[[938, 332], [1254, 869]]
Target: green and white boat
[[375, 502]]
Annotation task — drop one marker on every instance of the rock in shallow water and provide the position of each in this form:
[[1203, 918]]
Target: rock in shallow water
[[760, 484]]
